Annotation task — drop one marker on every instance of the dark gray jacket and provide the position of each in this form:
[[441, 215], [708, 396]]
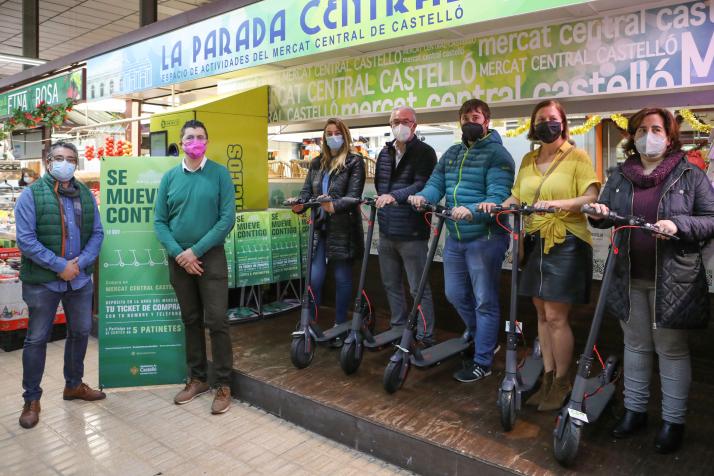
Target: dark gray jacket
[[681, 292]]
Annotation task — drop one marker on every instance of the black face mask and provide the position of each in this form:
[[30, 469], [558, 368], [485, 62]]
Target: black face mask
[[471, 132], [548, 131]]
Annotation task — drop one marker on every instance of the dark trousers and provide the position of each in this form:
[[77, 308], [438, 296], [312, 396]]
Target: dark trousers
[[42, 304], [204, 303], [395, 259]]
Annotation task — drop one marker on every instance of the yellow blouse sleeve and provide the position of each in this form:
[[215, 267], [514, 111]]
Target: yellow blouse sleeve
[[585, 174], [523, 170]]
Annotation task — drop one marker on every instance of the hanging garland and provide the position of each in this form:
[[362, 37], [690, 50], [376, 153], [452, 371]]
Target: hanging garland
[[42, 114], [620, 121], [519, 130], [695, 123], [587, 126]]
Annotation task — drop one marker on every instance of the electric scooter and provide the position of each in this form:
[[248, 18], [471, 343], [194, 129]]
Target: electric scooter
[[407, 352], [590, 395], [363, 319], [308, 333], [519, 379]]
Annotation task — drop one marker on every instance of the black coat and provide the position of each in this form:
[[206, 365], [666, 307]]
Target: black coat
[[343, 229], [681, 299], [401, 222]]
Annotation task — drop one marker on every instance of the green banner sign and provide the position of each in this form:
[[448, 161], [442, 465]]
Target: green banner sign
[[276, 30], [230, 247], [285, 245], [52, 91], [253, 249], [141, 339], [644, 50]]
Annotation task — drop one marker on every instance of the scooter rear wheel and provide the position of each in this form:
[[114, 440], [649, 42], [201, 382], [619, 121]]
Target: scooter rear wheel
[[565, 448], [300, 356], [507, 405], [350, 358], [394, 375]]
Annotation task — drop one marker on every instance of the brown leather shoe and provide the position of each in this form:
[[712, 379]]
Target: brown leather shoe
[[193, 389], [222, 400], [83, 392], [30, 414]]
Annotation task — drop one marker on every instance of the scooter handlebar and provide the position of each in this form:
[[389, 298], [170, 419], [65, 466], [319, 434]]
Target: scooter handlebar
[[522, 209], [629, 220]]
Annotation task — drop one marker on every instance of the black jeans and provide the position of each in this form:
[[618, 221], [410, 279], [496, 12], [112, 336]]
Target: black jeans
[[204, 303]]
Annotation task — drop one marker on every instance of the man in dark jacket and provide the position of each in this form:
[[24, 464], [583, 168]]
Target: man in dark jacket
[[403, 167]]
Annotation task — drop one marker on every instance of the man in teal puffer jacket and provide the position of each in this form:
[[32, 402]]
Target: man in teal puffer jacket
[[479, 169]]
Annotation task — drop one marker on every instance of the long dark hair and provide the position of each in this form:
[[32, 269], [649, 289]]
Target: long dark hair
[[671, 127]]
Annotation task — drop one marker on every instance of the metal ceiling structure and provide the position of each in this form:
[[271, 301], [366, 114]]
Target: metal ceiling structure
[[67, 26]]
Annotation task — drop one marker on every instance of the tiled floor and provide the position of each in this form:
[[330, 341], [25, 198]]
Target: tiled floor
[[141, 432]]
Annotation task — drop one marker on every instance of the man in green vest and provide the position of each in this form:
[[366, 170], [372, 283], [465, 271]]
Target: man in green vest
[[195, 211], [59, 233]]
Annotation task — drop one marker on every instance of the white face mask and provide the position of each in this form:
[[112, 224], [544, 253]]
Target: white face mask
[[401, 133], [651, 146]]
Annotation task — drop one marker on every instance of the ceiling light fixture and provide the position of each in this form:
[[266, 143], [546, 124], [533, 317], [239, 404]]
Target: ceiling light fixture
[[21, 60]]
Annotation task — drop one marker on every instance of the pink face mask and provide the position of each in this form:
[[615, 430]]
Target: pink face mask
[[194, 148]]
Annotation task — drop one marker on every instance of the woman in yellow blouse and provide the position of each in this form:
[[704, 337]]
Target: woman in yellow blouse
[[558, 271]]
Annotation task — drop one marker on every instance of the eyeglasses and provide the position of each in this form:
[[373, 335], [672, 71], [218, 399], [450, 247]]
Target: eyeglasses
[[405, 122], [60, 158]]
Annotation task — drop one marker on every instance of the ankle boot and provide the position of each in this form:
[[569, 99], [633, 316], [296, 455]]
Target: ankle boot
[[629, 424], [535, 399], [558, 391], [669, 438]]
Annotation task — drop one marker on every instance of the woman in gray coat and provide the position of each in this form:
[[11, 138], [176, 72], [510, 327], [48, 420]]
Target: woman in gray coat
[[659, 290]]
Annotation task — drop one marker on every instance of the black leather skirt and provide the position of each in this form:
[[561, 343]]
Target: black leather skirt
[[563, 275]]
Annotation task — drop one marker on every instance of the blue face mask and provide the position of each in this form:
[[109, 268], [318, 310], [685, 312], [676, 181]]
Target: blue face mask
[[335, 142], [63, 171]]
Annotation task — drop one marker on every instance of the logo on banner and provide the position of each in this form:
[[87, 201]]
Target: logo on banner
[[234, 153]]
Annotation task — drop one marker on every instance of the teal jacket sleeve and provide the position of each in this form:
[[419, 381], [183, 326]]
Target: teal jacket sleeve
[[226, 216], [161, 219], [499, 178], [435, 187]]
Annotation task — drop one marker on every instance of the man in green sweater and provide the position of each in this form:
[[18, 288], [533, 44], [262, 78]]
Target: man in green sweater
[[195, 211]]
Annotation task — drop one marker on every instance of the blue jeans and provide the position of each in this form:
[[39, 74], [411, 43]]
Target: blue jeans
[[343, 279], [42, 304], [471, 279]]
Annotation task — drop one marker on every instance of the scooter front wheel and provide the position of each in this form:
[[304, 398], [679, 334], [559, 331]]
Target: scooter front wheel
[[565, 448], [395, 374], [507, 405], [302, 350], [350, 357]]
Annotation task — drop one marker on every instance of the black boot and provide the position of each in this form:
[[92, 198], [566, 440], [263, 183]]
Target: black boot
[[669, 438], [629, 424]]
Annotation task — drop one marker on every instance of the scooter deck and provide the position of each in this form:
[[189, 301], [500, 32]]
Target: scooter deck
[[529, 373], [442, 351], [595, 404], [332, 333], [384, 338]]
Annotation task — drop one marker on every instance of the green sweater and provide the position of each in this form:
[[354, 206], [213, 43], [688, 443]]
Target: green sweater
[[194, 209]]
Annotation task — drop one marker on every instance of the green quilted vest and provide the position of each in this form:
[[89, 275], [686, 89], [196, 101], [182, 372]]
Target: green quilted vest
[[50, 226]]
